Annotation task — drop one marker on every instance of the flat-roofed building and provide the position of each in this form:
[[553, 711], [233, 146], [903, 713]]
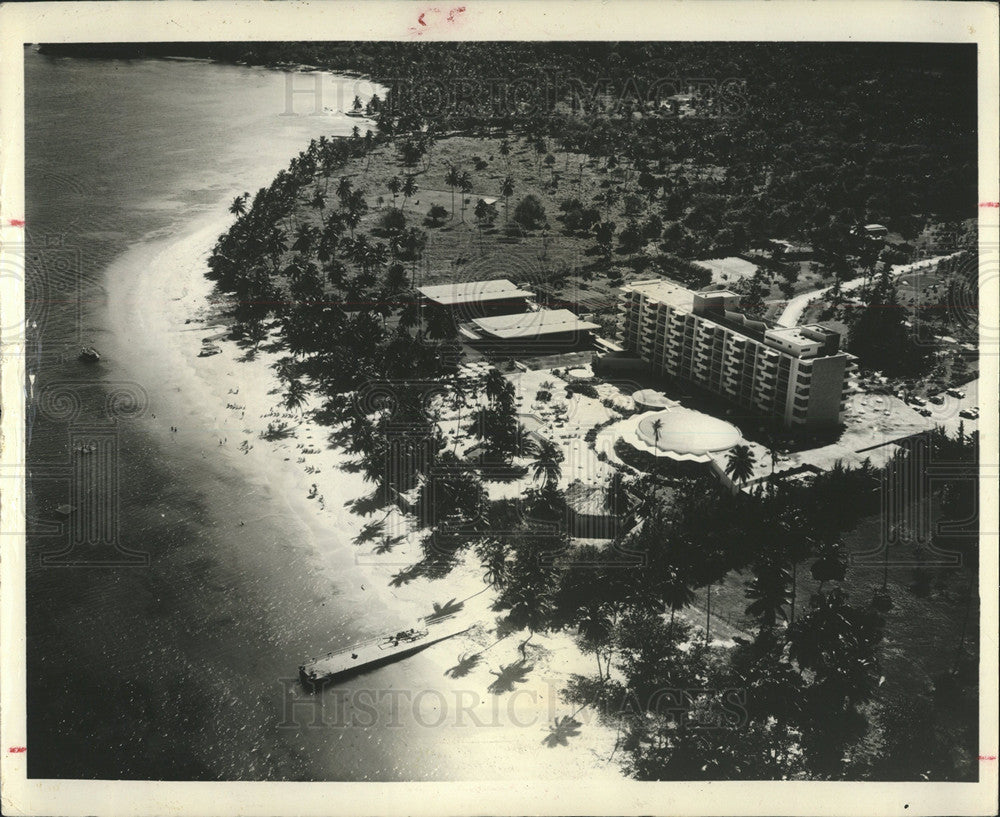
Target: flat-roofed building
[[534, 331], [798, 375], [472, 299]]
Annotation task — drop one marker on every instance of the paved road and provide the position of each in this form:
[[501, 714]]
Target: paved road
[[793, 311]]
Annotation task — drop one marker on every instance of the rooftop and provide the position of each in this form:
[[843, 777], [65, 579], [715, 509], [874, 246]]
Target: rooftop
[[663, 291], [533, 324], [793, 334], [686, 434], [473, 291], [653, 398], [731, 267]]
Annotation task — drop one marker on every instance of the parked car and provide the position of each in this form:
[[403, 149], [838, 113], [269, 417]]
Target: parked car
[[924, 412], [968, 414], [937, 399], [917, 401], [955, 393]]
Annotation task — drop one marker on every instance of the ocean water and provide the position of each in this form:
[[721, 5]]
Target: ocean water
[[164, 635]]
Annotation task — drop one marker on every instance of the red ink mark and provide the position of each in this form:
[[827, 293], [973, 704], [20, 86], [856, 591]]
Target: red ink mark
[[989, 204], [16, 222], [16, 750], [432, 17], [987, 757]]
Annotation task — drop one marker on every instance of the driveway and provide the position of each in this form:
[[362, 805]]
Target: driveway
[[793, 311]]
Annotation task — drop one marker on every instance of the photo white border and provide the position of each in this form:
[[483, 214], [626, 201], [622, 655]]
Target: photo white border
[[746, 20]]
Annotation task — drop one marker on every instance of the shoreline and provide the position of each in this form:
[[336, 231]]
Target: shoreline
[[233, 400]]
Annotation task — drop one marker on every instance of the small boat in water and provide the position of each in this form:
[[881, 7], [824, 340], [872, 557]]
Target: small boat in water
[[377, 652], [88, 354]]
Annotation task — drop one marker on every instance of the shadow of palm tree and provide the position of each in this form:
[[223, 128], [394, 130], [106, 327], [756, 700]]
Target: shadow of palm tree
[[439, 567], [450, 607], [561, 731], [388, 543], [277, 431], [424, 569], [275, 345], [369, 533], [407, 575], [367, 504], [466, 663], [509, 677]]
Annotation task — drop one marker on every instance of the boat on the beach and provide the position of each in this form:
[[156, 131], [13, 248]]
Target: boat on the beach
[[88, 354], [378, 651]]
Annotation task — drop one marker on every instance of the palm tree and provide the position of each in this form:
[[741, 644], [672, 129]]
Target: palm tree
[[595, 627], [527, 596], [541, 148], [506, 190], [453, 178], [505, 152], [413, 242], [239, 205], [297, 395], [495, 569], [546, 468], [305, 238], [550, 162], [657, 428], [740, 463], [395, 185], [409, 189], [676, 591], [495, 385], [831, 564], [768, 592], [344, 189], [617, 498], [465, 185]]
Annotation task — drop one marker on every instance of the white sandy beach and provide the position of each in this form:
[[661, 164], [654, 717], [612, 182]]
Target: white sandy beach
[[229, 402]]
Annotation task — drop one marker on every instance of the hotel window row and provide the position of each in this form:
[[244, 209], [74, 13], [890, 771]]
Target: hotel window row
[[798, 375]]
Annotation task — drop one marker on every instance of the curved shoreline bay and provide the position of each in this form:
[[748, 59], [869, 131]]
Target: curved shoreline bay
[[247, 575]]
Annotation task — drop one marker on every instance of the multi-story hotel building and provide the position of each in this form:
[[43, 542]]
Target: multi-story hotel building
[[798, 375]]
